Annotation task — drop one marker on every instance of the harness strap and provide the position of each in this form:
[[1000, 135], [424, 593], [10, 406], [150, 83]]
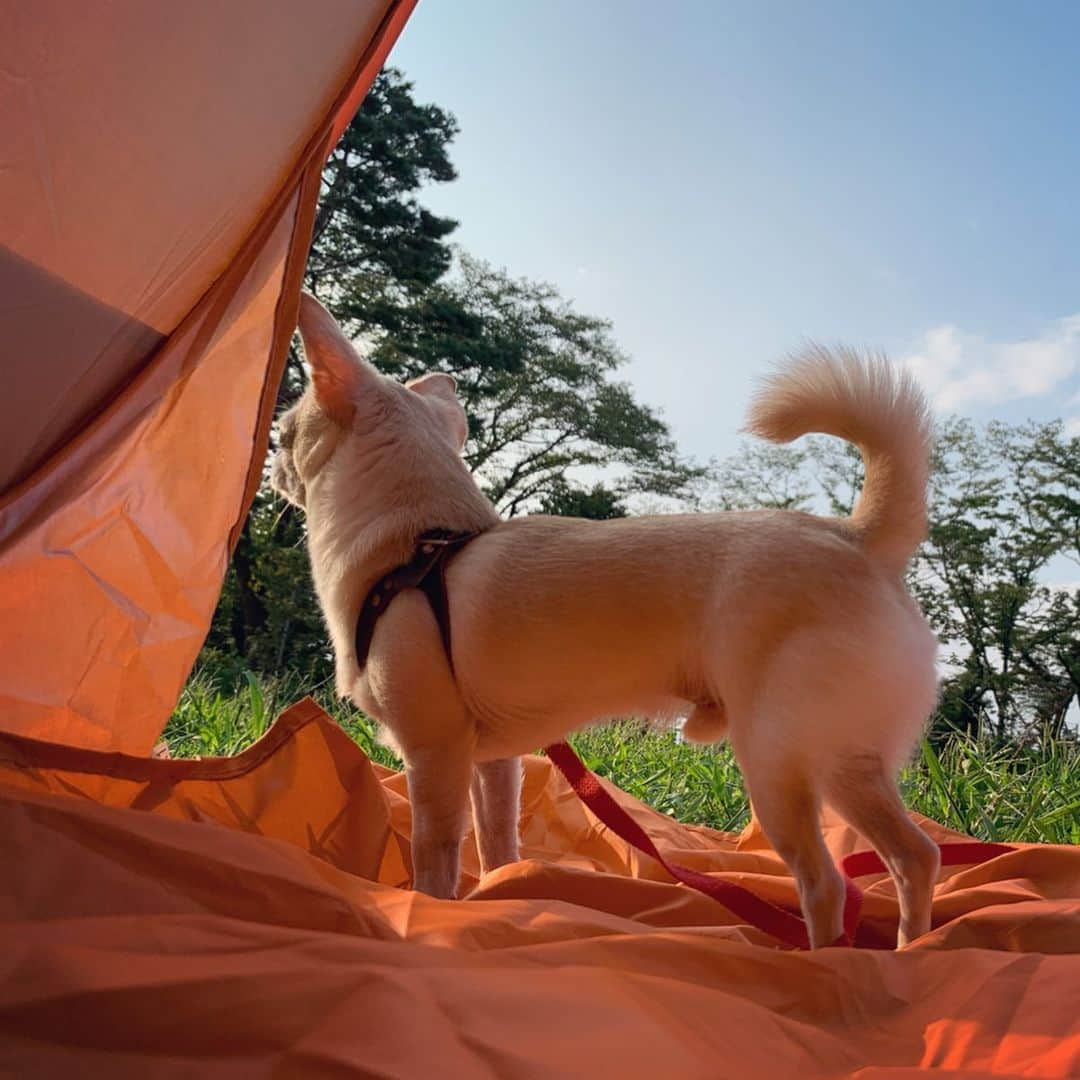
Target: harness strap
[[426, 570]]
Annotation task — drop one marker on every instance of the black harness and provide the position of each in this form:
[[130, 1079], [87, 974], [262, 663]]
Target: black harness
[[426, 570]]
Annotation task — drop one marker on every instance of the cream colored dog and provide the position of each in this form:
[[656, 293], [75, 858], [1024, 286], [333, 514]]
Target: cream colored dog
[[790, 634]]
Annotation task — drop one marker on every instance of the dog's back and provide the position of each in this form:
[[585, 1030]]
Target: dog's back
[[558, 617]]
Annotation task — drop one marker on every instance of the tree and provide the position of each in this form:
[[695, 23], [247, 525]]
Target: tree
[[598, 502], [267, 618], [763, 476], [536, 379], [997, 520], [373, 242], [374, 246]]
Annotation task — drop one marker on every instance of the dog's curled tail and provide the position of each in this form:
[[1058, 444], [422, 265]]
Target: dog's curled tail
[[880, 409]]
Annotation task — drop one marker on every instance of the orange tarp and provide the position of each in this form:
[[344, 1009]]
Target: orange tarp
[[159, 169], [249, 915]]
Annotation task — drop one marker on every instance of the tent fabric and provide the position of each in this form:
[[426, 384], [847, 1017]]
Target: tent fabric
[[160, 169], [251, 915]]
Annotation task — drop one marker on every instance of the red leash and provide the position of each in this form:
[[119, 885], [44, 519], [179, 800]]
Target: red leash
[[784, 925]]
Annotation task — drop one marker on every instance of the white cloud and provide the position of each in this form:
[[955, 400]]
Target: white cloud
[[959, 369]]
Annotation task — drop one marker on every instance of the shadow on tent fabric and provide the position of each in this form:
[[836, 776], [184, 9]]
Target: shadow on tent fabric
[[42, 315]]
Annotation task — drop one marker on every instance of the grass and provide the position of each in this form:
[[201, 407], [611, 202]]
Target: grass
[[214, 721], [1001, 794]]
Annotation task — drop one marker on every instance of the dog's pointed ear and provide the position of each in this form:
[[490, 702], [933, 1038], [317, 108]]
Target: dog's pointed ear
[[337, 371], [435, 384], [440, 390]]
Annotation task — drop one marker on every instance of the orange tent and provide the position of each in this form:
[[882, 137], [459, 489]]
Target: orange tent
[[158, 179], [158, 184]]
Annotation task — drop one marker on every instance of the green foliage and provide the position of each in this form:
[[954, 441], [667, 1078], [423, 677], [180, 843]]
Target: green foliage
[[598, 502], [209, 722], [268, 617], [763, 476], [536, 379], [1002, 794], [700, 785], [373, 243], [221, 713], [996, 522]]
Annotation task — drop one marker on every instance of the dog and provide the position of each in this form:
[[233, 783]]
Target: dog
[[791, 635]]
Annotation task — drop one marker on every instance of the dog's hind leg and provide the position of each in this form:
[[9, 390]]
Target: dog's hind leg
[[864, 795], [496, 800], [788, 809]]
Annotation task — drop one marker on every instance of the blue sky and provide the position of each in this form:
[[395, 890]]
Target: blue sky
[[724, 181]]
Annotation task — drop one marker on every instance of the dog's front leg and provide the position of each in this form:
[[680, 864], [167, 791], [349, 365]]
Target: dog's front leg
[[411, 690], [438, 779], [496, 800]]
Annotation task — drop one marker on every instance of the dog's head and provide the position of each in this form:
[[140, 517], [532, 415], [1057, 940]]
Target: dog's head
[[349, 411]]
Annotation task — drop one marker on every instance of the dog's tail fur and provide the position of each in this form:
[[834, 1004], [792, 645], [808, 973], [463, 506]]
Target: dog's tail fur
[[882, 411]]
